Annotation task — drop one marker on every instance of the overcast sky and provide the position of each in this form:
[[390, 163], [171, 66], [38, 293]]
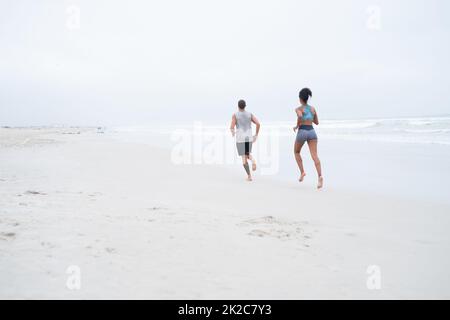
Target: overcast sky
[[141, 62]]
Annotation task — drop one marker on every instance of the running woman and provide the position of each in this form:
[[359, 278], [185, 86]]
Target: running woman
[[306, 116], [242, 120]]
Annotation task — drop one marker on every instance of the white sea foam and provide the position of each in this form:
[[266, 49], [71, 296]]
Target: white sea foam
[[427, 130], [431, 130]]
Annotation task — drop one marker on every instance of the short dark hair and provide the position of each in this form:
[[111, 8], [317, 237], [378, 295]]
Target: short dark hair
[[305, 94], [242, 104]]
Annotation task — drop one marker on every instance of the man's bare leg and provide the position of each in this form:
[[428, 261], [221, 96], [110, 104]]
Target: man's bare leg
[[250, 157], [246, 167]]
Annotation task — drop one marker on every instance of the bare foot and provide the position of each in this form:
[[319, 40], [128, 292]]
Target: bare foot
[[302, 177], [254, 166], [320, 184], [249, 178]]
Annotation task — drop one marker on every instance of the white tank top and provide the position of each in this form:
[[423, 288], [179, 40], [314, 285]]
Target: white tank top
[[244, 126]]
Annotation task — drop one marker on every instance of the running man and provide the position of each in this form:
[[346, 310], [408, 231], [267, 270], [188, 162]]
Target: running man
[[242, 120]]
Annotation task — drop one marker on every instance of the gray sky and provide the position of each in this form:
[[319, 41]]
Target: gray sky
[[138, 62]]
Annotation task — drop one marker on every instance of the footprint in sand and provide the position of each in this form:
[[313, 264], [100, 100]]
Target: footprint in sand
[[94, 194], [161, 211], [47, 245], [31, 192], [263, 220], [259, 233], [156, 208], [110, 250], [7, 235], [272, 227]]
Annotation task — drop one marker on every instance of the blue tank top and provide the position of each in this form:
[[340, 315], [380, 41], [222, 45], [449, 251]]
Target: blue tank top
[[307, 114]]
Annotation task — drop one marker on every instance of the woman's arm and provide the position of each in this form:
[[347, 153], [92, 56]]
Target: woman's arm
[[316, 117], [233, 125], [299, 114]]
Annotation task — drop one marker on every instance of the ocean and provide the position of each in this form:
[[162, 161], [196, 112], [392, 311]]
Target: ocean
[[426, 130]]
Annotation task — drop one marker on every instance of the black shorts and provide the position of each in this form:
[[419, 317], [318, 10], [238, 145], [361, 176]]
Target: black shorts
[[244, 148]]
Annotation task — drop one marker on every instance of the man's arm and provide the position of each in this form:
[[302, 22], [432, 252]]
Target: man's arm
[[233, 125], [258, 126]]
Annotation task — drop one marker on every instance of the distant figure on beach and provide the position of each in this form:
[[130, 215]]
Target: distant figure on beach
[[242, 120], [306, 116]]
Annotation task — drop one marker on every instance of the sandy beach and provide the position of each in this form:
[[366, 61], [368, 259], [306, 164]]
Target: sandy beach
[[138, 226]]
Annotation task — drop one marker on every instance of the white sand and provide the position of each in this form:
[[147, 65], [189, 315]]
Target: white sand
[[139, 227]]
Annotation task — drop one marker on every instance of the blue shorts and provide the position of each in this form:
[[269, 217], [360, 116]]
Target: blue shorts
[[305, 133]]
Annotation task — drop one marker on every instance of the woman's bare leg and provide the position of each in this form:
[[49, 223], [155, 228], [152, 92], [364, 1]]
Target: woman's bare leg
[[297, 148], [312, 144]]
